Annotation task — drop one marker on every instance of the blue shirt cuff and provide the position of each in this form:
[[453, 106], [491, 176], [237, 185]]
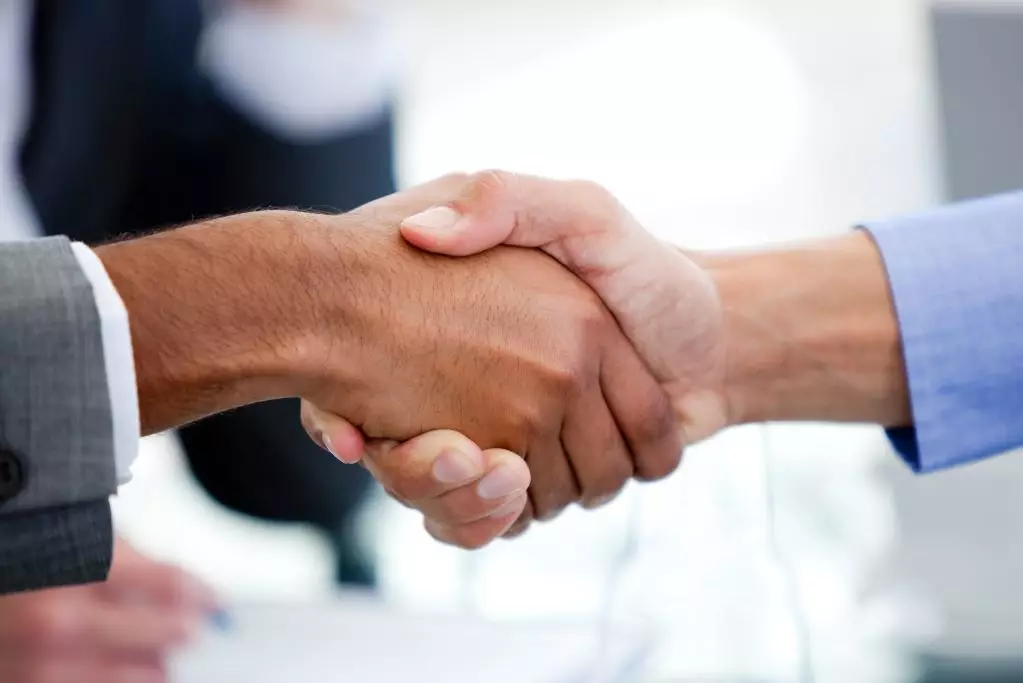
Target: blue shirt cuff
[[957, 284]]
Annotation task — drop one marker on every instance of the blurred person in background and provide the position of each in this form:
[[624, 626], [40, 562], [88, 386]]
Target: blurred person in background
[[115, 632], [128, 116], [151, 114]]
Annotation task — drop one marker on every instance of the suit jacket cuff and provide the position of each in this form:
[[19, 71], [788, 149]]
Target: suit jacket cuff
[[65, 546], [57, 466]]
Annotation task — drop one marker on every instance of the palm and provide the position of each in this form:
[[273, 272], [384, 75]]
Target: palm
[[669, 308]]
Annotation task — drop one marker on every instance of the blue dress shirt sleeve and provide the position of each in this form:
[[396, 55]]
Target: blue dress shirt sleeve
[[956, 276]]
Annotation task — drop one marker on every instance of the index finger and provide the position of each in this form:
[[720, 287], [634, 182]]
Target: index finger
[[426, 467]]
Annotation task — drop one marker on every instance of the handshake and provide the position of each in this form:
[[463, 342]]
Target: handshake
[[578, 353], [495, 348]]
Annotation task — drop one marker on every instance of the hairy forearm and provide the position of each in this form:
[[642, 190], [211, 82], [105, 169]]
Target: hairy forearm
[[811, 334], [213, 324]]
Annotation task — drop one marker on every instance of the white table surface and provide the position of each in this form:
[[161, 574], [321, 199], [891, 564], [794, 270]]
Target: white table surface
[[353, 640]]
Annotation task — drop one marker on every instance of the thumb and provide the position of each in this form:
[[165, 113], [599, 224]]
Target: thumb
[[446, 230], [485, 214], [580, 224]]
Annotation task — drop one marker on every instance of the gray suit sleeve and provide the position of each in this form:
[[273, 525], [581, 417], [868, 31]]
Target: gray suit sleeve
[[57, 468]]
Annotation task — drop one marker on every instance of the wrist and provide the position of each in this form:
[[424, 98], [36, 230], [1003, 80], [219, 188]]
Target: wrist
[[811, 334], [753, 357], [212, 323]]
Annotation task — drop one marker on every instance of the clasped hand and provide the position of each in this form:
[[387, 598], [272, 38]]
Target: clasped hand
[[568, 396]]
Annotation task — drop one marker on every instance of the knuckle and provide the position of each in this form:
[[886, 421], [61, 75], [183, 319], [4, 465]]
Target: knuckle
[[489, 188], [551, 509], [550, 503], [574, 368], [597, 197], [492, 180], [602, 501], [608, 486], [660, 459], [657, 423], [457, 177], [570, 379], [592, 322], [661, 466], [527, 422], [657, 441]]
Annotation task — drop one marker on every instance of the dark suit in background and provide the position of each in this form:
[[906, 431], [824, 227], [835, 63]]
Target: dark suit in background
[[127, 136]]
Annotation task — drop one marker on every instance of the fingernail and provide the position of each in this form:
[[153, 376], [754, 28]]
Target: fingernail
[[453, 467], [328, 445], [500, 483], [437, 219]]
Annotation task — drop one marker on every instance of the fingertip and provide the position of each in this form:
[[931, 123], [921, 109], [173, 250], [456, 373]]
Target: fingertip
[[510, 511], [433, 229], [454, 231], [345, 443], [507, 474], [333, 433], [456, 243], [522, 522], [418, 237]]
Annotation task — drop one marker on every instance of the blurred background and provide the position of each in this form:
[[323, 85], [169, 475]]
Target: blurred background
[[782, 554]]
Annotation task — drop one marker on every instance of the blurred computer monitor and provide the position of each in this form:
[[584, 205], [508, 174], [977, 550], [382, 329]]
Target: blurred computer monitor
[[978, 48]]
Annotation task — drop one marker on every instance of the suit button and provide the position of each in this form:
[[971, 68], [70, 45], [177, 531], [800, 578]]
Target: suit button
[[12, 475]]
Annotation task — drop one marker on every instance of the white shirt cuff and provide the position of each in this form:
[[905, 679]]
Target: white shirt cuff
[[299, 78], [118, 359]]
